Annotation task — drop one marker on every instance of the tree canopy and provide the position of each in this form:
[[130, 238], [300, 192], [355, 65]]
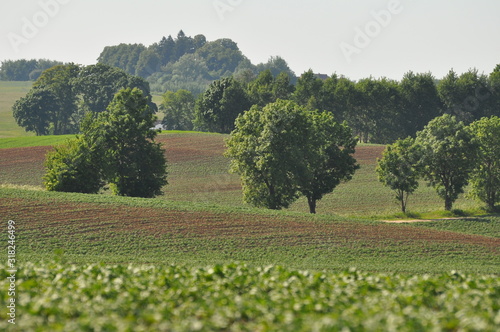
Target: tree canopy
[[217, 109], [448, 155], [62, 95], [116, 147], [284, 150], [398, 169], [485, 179]]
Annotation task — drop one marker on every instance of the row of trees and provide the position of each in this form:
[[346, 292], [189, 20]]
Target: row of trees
[[378, 110], [116, 148], [449, 155], [25, 70], [63, 94]]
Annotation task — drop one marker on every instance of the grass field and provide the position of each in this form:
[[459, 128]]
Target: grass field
[[9, 93]]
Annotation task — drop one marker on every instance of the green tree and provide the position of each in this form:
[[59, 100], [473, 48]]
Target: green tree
[[133, 163], [398, 169], [36, 111], [260, 90], [494, 86], [74, 167], [266, 88], [221, 56], [485, 179], [217, 109], [263, 150], [116, 147], [77, 91], [149, 62], [420, 101], [179, 110], [60, 81], [376, 114], [448, 155], [307, 90], [123, 56], [327, 156], [467, 96], [283, 150], [277, 65]]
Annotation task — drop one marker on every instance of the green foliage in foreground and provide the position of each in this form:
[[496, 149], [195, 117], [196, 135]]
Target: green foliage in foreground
[[236, 297]]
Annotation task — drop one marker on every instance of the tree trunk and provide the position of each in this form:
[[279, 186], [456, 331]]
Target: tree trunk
[[491, 201], [312, 205], [448, 203], [401, 195]]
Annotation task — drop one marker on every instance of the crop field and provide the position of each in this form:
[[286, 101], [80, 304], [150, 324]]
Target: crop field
[[198, 172], [112, 229], [236, 297]]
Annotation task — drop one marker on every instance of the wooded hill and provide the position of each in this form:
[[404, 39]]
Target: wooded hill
[[186, 62]]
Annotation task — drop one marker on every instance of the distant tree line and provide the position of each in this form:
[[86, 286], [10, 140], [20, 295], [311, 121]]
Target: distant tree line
[[25, 70], [62, 95], [377, 110]]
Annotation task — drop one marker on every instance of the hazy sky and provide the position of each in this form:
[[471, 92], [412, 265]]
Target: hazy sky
[[356, 38]]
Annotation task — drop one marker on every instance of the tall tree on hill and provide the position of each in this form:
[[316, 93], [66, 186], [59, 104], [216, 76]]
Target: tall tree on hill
[[284, 150], [179, 110], [260, 90], [327, 157], [217, 109], [221, 56], [116, 147], [398, 169], [133, 163], [149, 62], [60, 81], [485, 179], [166, 50], [36, 111], [420, 101], [123, 56], [307, 90], [448, 155], [183, 45], [467, 96]]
